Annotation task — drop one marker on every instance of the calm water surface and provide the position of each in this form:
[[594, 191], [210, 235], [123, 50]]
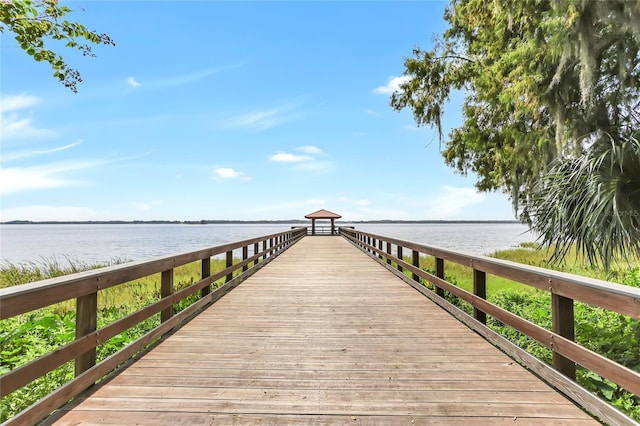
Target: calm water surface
[[103, 243]]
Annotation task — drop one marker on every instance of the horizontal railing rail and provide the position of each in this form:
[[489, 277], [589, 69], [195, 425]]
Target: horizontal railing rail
[[323, 230], [84, 288], [563, 287]]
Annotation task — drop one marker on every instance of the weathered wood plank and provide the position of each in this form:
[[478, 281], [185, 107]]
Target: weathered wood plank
[[170, 419], [324, 335]]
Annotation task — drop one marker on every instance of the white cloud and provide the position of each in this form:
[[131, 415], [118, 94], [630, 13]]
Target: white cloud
[[261, 120], [287, 208], [452, 203], [56, 213], [225, 173], [24, 154], [309, 149], [13, 127], [393, 85], [192, 77], [20, 179], [285, 157], [132, 82], [16, 102], [316, 166]]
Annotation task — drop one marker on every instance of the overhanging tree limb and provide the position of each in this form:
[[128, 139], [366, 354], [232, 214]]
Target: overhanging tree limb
[[33, 22]]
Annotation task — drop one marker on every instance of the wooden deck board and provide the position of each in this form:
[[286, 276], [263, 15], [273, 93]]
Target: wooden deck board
[[324, 335]]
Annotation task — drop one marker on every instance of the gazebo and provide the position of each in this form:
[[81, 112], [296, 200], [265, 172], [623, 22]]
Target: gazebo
[[322, 214]]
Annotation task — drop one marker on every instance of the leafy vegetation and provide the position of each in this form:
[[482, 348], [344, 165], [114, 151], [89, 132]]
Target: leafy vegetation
[[29, 336], [552, 94], [35, 21], [610, 334]]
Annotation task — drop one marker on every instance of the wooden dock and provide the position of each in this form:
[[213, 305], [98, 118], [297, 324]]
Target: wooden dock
[[323, 335]]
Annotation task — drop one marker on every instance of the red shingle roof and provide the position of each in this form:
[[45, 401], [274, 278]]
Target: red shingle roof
[[323, 214]]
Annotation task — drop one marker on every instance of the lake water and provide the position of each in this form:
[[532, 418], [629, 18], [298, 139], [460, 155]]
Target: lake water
[[102, 243]]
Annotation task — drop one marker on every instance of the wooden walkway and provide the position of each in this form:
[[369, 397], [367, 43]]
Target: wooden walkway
[[324, 335]]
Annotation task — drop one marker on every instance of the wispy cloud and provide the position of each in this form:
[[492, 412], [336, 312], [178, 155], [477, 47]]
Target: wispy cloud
[[189, 77], [21, 179], [132, 82], [309, 149], [263, 120], [306, 162], [286, 157], [59, 213], [25, 154], [451, 204], [16, 102], [227, 173], [13, 127], [393, 85], [288, 207], [316, 166]]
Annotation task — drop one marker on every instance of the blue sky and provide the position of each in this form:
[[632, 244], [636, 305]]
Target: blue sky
[[230, 110]]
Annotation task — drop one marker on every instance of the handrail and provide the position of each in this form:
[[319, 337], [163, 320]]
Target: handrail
[[323, 230], [84, 288], [563, 287]]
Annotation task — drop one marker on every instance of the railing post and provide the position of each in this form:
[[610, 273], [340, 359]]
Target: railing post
[[245, 255], [166, 289], [368, 244], [86, 322], [440, 274], [416, 263], [264, 249], [388, 253], [400, 257], [205, 268], [380, 248], [256, 250], [480, 290], [229, 263], [563, 324]]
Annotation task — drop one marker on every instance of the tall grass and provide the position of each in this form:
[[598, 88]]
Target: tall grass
[[610, 334], [26, 337]]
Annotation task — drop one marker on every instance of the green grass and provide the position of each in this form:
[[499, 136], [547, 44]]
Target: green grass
[[31, 335], [610, 334], [26, 337], [620, 272]]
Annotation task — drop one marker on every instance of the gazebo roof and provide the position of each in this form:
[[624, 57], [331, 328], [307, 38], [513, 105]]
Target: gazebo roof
[[323, 214]]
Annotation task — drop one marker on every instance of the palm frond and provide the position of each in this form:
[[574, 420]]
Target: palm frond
[[592, 201]]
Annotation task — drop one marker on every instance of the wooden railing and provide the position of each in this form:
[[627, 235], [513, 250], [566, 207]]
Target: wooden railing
[[564, 289], [84, 288], [323, 230]]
